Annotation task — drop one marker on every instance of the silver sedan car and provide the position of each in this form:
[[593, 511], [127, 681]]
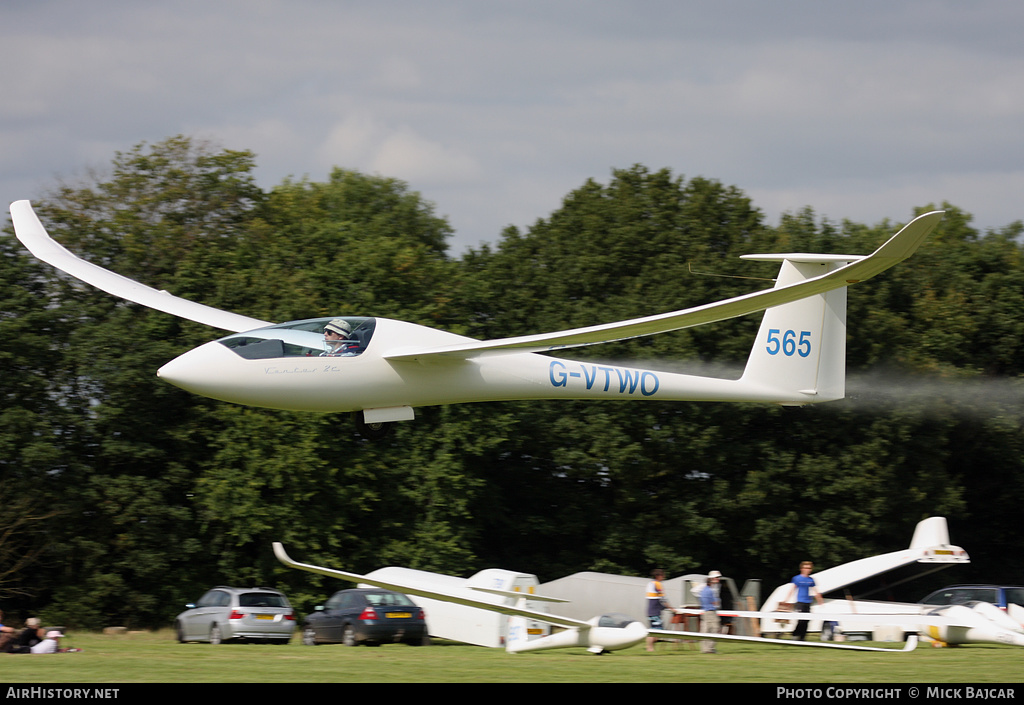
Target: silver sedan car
[[230, 613]]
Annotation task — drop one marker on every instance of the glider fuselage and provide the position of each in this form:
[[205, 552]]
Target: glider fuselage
[[299, 376]]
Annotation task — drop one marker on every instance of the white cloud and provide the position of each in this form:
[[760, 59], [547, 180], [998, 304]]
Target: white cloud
[[418, 159], [363, 142], [495, 111]]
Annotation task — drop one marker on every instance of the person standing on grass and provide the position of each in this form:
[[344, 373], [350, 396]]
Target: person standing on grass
[[655, 603], [804, 587], [710, 603]]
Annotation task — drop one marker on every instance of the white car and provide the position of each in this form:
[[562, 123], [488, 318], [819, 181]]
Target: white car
[[230, 613]]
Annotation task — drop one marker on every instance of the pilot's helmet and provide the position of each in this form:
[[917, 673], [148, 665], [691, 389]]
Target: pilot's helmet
[[339, 326]]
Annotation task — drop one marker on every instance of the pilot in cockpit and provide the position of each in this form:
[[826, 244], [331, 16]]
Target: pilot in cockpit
[[338, 340]]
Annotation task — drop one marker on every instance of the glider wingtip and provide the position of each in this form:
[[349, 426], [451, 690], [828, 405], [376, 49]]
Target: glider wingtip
[[281, 554], [22, 208]]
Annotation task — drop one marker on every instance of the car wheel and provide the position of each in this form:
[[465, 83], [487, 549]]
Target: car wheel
[[308, 636], [179, 632], [348, 636], [215, 635]]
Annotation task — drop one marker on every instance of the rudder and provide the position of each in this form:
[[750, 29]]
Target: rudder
[[800, 347]]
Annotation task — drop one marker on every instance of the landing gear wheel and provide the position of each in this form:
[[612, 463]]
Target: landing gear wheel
[[309, 636], [215, 635], [348, 637], [371, 431]]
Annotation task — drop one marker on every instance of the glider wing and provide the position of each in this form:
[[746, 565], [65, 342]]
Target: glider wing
[[898, 248], [669, 634], [32, 234], [435, 595]]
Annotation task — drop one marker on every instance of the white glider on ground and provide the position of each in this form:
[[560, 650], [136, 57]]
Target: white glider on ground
[[609, 632], [971, 623], [388, 367], [929, 548]]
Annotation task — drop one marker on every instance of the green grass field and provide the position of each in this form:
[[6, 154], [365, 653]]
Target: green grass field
[[155, 657]]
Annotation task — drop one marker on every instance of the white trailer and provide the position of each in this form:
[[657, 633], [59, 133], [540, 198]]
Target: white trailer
[[471, 625], [589, 593]]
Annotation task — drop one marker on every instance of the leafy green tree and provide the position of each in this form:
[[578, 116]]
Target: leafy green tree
[[124, 462], [745, 488], [355, 244], [613, 475], [162, 493]]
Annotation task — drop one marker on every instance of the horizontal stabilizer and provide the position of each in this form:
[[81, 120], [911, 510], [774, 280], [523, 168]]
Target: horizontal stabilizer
[[804, 258]]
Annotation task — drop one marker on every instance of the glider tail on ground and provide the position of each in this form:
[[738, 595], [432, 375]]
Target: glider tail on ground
[[801, 346]]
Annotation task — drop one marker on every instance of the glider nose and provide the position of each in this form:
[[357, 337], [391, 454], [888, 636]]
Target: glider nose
[[615, 639], [206, 370]]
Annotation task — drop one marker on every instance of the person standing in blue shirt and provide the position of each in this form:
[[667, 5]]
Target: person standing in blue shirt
[[804, 587], [710, 603]]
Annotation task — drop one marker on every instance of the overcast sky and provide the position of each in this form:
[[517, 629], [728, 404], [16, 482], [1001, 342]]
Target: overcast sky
[[495, 110]]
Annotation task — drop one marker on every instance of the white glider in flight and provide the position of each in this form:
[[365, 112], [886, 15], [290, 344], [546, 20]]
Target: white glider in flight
[[384, 368]]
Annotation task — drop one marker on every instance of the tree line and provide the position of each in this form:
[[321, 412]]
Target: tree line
[[122, 498]]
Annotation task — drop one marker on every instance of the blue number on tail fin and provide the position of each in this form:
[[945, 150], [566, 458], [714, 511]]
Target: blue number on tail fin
[[789, 343]]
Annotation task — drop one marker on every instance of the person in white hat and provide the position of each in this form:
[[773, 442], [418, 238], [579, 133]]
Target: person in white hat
[[338, 338], [49, 644], [710, 603]]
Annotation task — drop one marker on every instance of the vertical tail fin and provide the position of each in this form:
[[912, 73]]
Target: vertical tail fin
[[800, 348]]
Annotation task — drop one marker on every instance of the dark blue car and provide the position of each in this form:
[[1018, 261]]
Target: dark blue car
[[366, 616]]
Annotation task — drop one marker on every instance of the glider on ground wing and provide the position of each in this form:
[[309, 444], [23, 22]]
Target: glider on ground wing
[[930, 550], [382, 368], [975, 623], [603, 633]]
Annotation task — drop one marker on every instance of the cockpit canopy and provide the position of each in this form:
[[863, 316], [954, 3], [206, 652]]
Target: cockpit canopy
[[303, 338], [616, 620]]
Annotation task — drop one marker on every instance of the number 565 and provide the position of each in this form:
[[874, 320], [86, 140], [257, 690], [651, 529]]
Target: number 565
[[789, 343]]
